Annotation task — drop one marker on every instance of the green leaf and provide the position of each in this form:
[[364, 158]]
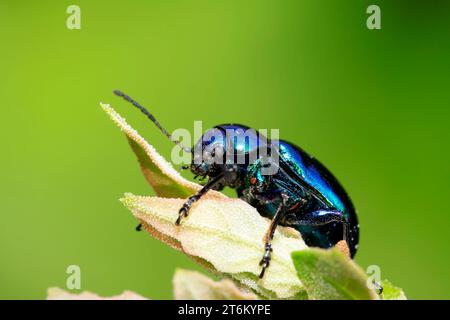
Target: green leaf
[[390, 292], [192, 285], [330, 275]]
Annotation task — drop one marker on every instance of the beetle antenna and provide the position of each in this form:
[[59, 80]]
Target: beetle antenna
[[152, 118]]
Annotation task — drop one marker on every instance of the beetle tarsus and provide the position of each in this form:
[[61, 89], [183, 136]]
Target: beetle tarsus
[[378, 287], [261, 275], [183, 212], [265, 261]]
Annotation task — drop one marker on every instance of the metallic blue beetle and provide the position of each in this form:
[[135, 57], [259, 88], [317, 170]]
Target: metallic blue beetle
[[300, 192]]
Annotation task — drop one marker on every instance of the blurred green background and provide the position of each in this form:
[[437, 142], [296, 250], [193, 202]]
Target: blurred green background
[[373, 105]]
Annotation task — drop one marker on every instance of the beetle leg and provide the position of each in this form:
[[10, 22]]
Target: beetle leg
[[183, 212], [265, 261], [321, 217], [378, 287]]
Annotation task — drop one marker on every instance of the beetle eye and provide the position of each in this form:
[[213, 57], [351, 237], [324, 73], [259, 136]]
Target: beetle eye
[[253, 180]]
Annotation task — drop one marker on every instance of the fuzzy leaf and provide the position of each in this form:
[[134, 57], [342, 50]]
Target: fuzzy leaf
[[330, 275], [390, 292], [60, 294], [228, 235], [192, 285]]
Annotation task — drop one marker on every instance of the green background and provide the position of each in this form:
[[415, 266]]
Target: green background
[[373, 105]]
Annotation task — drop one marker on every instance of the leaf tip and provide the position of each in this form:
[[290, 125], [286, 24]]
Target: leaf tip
[[128, 200]]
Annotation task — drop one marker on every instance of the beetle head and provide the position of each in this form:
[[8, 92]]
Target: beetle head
[[208, 154]]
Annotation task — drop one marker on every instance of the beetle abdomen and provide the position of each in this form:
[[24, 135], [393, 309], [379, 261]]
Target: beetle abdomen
[[310, 172]]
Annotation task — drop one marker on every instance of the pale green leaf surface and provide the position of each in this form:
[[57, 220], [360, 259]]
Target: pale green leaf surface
[[192, 285], [330, 275], [227, 233], [391, 292]]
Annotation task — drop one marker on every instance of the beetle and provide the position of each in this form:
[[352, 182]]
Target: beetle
[[298, 192]]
